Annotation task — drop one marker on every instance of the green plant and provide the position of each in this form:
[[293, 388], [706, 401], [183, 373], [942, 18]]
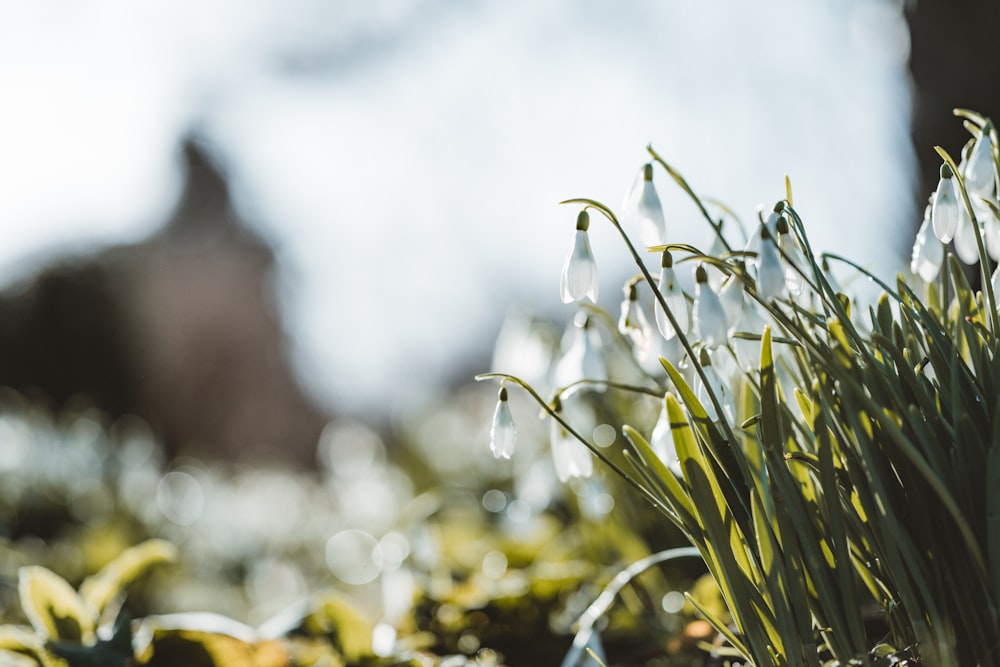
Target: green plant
[[827, 459]]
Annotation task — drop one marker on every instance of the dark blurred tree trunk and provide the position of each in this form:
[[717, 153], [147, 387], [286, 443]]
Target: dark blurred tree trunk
[[953, 62]]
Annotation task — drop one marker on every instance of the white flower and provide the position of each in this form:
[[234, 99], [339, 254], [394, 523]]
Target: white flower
[[965, 237], [632, 322], [928, 252], [652, 227], [991, 228], [662, 442], [579, 273], [748, 350], [792, 259], [503, 432], [674, 298], [717, 387], [709, 317], [979, 168], [770, 272], [944, 211], [581, 357], [752, 249], [570, 456], [731, 298]]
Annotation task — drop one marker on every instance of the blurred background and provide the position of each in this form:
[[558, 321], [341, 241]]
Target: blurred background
[[242, 219]]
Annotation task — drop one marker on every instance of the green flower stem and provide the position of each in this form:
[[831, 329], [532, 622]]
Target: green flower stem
[[655, 392]]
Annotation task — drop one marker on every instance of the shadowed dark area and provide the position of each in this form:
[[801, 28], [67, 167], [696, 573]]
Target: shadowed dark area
[[179, 329]]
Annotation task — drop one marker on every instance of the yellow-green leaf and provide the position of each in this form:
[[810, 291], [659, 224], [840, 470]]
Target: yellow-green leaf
[[52, 606], [98, 590]]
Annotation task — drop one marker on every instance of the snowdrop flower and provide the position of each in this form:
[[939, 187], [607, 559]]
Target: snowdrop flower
[[716, 386], [928, 252], [582, 357], [748, 350], [662, 442], [632, 322], [770, 272], [672, 294], [793, 259], [709, 317], [579, 273], [752, 249], [991, 228], [503, 432], [570, 456], [965, 237], [979, 170], [731, 298], [648, 209], [944, 211]]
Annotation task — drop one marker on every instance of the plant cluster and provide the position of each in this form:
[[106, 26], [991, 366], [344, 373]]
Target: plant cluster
[[835, 464]]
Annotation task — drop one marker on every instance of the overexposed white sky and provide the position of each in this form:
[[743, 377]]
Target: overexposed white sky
[[408, 157]]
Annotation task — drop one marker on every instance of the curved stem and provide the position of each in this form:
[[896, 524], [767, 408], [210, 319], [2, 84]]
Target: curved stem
[[572, 431]]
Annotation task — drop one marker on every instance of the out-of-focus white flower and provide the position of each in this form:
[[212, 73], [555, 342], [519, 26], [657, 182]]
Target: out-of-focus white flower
[[792, 258], [662, 442], [717, 249], [928, 252], [648, 209], [570, 456], [752, 249], [770, 272], [672, 294], [944, 210], [731, 298], [716, 386], [747, 349], [503, 432], [632, 322], [581, 357], [579, 273], [979, 172], [709, 317]]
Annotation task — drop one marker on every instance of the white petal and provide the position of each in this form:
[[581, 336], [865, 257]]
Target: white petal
[[652, 227], [770, 273], [928, 253], [676, 302], [579, 274], [944, 211], [662, 442], [709, 317], [965, 238], [570, 457], [991, 228], [979, 169], [731, 298], [721, 391], [503, 432]]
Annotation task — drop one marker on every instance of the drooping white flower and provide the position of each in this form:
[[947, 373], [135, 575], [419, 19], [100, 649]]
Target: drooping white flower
[[503, 432], [570, 457], [716, 386], [662, 442], [632, 322], [770, 272], [709, 317], [674, 297], [792, 258], [649, 211], [748, 349], [752, 249], [581, 356], [965, 237], [731, 298], [579, 273], [980, 173], [928, 251], [991, 229], [944, 210]]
